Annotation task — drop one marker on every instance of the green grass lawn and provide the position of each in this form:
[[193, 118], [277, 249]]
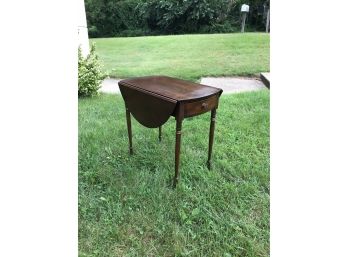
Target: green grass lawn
[[126, 204], [185, 56]]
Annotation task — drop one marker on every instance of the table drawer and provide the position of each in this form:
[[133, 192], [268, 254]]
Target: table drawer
[[202, 106]]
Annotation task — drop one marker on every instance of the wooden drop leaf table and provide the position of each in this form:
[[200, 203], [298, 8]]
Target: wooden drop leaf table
[[152, 100]]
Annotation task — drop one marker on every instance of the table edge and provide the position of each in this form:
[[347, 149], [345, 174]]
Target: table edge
[[124, 82]]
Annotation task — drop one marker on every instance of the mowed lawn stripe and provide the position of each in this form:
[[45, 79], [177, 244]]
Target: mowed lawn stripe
[[127, 206], [185, 56]]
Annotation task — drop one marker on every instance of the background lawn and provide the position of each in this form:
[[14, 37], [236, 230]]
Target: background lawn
[[126, 204], [185, 56]]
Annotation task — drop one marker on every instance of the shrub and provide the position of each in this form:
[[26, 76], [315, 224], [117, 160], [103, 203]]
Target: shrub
[[132, 33], [219, 28], [93, 31], [90, 74], [109, 18]]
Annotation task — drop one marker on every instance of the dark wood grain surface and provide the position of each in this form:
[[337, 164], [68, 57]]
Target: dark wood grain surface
[[175, 89], [152, 100], [148, 109]]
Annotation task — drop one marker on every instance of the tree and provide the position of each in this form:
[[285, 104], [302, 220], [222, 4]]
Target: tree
[[107, 18]]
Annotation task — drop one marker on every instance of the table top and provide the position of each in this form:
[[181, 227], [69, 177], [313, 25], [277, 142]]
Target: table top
[[172, 88]]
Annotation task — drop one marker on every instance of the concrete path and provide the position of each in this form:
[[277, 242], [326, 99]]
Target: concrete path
[[110, 86], [230, 85]]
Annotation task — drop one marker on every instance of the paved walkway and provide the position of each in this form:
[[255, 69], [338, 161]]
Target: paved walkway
[[230, 85], [110, 86]]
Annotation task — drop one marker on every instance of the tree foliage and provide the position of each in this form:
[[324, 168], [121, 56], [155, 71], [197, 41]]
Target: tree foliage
[[107, 18]]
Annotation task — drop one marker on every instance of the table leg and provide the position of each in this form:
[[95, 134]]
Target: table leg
[[177, 151], [211, 136], [160, 133], [129, 127]]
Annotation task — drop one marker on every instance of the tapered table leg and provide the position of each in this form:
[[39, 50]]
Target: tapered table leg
[[160, 133], [177, 151], [129, 127], [211, 137]]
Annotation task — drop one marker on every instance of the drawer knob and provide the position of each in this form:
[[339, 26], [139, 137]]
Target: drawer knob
[[204, 106]]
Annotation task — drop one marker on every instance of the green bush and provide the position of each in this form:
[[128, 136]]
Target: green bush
[[132, 33], [219, 28], [90, 74], [173, 16], [109, 18], [112, 18], [93, 31]]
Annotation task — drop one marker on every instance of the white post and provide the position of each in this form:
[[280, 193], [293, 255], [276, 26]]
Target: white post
[[83, 41], [244, 10], [243, 21]]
